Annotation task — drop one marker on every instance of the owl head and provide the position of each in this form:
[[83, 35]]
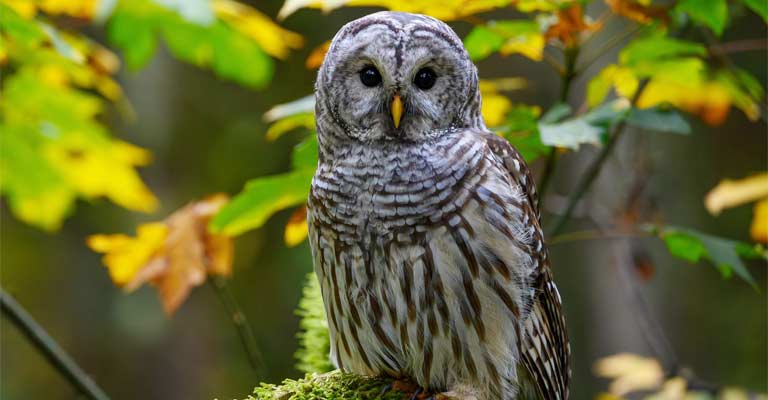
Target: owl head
[[394, 76]]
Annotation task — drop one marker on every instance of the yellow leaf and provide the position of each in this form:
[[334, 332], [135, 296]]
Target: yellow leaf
[[174, 255], [84, 9], [25, 8], [731, 193], [126, 256], [530, 45], [759, 228], [495, 106], [289, 123], [640, 11], [272, 38], [630, 372], [710, 101], [45, 210], [296, 229], [446, 10], [607, 396], [103, 168]]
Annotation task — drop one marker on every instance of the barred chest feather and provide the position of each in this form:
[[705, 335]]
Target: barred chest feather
[[424, 255]]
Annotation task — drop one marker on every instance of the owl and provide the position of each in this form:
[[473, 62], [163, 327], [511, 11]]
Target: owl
[[424, 225]]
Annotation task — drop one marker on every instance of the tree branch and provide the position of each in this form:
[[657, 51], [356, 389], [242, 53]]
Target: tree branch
[[45, 344], [594, 169], [244, 329]]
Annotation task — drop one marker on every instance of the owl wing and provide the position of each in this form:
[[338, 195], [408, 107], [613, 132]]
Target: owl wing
[[545, 349]]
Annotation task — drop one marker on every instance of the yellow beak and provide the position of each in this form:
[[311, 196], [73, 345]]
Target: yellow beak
[[397, 110]]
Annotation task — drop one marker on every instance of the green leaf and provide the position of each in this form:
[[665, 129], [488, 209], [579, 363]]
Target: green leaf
[[684, 246], [261, 198], [305, 154], [481, 42], [522, 131], [518, 36], [758, 6], [28, 33], [135, 36], [290, 123], [724, 254], [711, 13], [656, 48], [658, 120]]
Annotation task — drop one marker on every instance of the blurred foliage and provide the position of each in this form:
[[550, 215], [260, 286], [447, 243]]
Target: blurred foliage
[[58, 86], [59, 94], [634, 374]]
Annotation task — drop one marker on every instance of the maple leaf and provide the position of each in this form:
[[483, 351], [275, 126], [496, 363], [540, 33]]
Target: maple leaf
[[174, 255]]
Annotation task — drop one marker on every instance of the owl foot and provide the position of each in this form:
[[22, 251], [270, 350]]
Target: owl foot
[[412, 390]]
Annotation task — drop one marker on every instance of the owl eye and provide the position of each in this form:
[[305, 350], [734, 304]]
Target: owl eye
[[425, 79], [370, 76]]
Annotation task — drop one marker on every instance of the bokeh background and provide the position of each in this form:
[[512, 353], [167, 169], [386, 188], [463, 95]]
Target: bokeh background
[[207, 135]]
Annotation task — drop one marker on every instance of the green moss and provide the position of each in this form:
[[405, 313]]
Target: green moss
[[329, 386], [314, 343]]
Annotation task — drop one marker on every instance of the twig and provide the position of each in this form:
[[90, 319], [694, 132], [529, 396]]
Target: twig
[[596, 234], [244, 330], [568, 74], [738, 46], [45, 344], [594, 169], [605, 47]]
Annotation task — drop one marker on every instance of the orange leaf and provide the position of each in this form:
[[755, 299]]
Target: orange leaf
[[317, 55], [570, 25], [174, 255]]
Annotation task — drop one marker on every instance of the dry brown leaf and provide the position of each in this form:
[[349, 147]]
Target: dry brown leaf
[[637, 11], [570, 25], [174, 255]]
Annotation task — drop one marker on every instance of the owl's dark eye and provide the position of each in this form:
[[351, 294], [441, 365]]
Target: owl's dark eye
[[370, 76], [425, 79]]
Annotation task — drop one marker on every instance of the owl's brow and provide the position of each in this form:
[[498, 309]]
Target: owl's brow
[[440, 34], [364, 24]]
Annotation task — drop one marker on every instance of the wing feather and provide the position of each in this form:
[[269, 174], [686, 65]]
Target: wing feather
[[545, 350]]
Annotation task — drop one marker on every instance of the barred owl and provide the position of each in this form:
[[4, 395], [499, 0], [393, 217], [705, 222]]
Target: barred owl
[[424, 226]]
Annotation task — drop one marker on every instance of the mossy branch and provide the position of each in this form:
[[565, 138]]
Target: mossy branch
[[328, 386]]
